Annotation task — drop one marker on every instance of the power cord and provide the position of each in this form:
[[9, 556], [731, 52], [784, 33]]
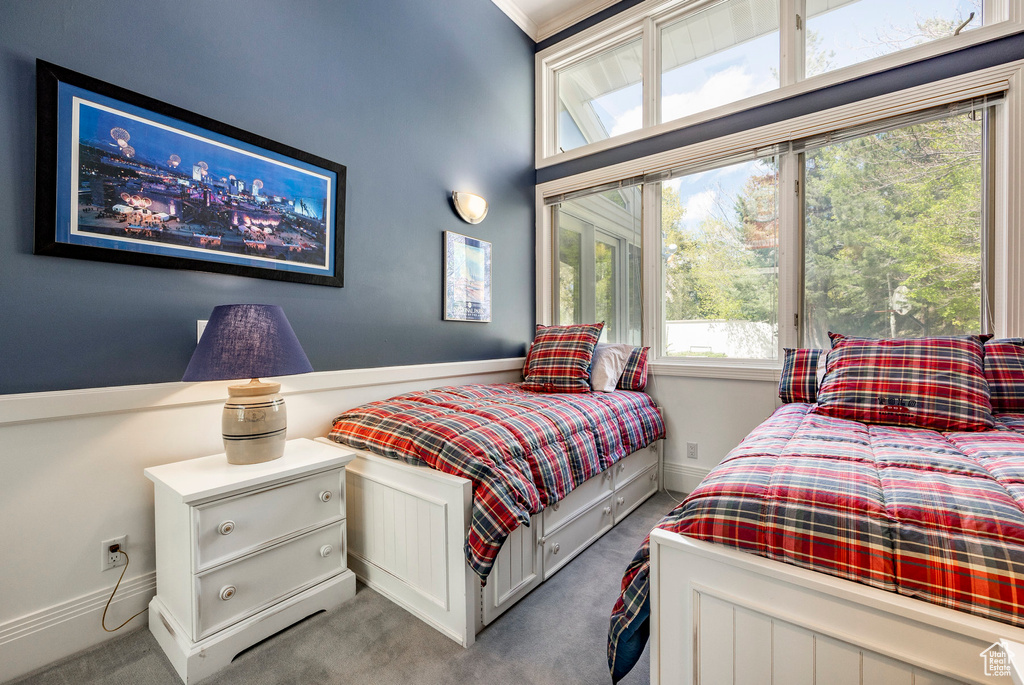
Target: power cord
[[652, 382], [103, 621]]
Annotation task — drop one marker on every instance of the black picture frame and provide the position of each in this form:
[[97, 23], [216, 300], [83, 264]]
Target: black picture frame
[[124, 199]]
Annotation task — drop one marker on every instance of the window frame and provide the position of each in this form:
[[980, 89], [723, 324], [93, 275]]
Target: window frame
[[1007, 254], [646, 20]]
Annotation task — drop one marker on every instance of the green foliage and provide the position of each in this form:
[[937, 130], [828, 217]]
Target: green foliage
[[896, 208], [725, 268]]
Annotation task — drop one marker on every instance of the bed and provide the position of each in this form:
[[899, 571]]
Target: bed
[[463, 499], [830, 549]]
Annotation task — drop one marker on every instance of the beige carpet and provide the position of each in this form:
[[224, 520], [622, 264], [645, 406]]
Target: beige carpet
[[557, 634]]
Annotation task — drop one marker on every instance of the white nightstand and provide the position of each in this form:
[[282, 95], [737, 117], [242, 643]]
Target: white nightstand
[[243, 552]]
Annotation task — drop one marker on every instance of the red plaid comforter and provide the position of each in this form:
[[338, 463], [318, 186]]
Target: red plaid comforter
[[936, 516], [522, 450]]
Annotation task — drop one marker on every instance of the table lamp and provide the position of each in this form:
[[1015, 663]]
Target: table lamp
[[249, 341]]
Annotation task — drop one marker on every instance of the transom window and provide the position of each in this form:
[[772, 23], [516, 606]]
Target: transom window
[[681, 58]]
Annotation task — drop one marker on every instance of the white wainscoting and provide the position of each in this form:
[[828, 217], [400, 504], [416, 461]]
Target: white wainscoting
[[715, 413], [71, 467]]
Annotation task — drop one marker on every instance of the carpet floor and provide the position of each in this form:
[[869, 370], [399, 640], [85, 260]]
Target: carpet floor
[[557, 634]]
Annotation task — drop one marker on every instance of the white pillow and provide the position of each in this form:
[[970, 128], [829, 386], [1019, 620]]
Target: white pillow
[[608, 364]]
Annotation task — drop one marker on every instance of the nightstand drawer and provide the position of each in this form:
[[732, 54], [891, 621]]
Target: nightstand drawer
[[234, 591], [231, 527]]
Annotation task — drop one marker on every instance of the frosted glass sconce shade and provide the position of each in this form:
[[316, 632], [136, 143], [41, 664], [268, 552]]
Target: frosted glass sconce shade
[[472, 208]]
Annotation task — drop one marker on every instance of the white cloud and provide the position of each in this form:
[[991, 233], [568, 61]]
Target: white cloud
[[630, 120], [729, 85], [700, 206]]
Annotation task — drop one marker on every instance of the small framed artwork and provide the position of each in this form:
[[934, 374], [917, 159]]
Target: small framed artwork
[[121, 177], [467, 278]]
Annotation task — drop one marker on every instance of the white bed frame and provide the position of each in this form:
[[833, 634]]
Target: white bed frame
[[407, 528], [723, 616]]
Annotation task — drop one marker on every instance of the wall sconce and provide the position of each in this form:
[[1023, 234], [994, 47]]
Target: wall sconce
[[472, 208]]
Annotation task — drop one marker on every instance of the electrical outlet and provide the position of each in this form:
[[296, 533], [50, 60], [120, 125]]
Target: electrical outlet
[[200, 327], [110, 559], [691, 450]]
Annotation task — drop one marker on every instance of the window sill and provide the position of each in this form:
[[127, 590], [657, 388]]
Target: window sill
[[733, 371]]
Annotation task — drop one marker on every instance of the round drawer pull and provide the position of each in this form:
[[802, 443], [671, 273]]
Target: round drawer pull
[[621, 501], [606, 511], [226, 528], [654, 476], [326, 550], [554, 506], [227, 592], [555, 547], [606, 475], [622, 467], [326, 496]]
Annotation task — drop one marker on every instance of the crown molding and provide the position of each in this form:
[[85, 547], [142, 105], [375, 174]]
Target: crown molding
[[517, 15]]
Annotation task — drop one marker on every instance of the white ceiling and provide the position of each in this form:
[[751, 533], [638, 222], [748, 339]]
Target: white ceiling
[[543, 18]]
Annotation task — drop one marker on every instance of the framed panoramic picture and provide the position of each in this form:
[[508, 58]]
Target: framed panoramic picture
[[467, 278], [121, 177]]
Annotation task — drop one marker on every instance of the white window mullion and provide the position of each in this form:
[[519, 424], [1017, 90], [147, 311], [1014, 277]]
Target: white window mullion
[[651, 275], [791, 41], [651, 74], [790, 257]]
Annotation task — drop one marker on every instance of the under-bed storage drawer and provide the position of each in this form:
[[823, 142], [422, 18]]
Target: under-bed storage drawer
[[629, 467], [583, 497], [630, 495], [565, 543]]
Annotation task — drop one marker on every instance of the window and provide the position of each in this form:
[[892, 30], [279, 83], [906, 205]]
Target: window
[[660, 62], [845, 32], [894, 229], [720, 275], [721, 54], [600, 97], [598, 273]]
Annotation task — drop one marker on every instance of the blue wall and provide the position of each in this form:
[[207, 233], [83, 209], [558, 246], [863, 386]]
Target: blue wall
[[415, 98]]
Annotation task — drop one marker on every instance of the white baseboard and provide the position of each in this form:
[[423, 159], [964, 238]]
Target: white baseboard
[[31, 642], [683, 478]]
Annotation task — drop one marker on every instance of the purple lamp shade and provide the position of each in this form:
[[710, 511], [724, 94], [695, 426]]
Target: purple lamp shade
[[247, 341]]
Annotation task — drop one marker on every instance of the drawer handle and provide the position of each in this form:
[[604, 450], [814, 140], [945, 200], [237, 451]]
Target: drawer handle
[[326, 550], [555, 547], [621, 501], [606, 475], [622, 467], [654, 476], [554, 507], [226, 528], [606, 511], [227, 592], [326, 496]]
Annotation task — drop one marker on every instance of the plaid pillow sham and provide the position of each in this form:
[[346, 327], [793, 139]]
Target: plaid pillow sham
[[936, 383], [799, 379], [634, 376], [560, 358], [1004, 370]]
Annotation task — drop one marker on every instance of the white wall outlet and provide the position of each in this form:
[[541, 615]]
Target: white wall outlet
[[110, 559], [691, 450], [200, 327]]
